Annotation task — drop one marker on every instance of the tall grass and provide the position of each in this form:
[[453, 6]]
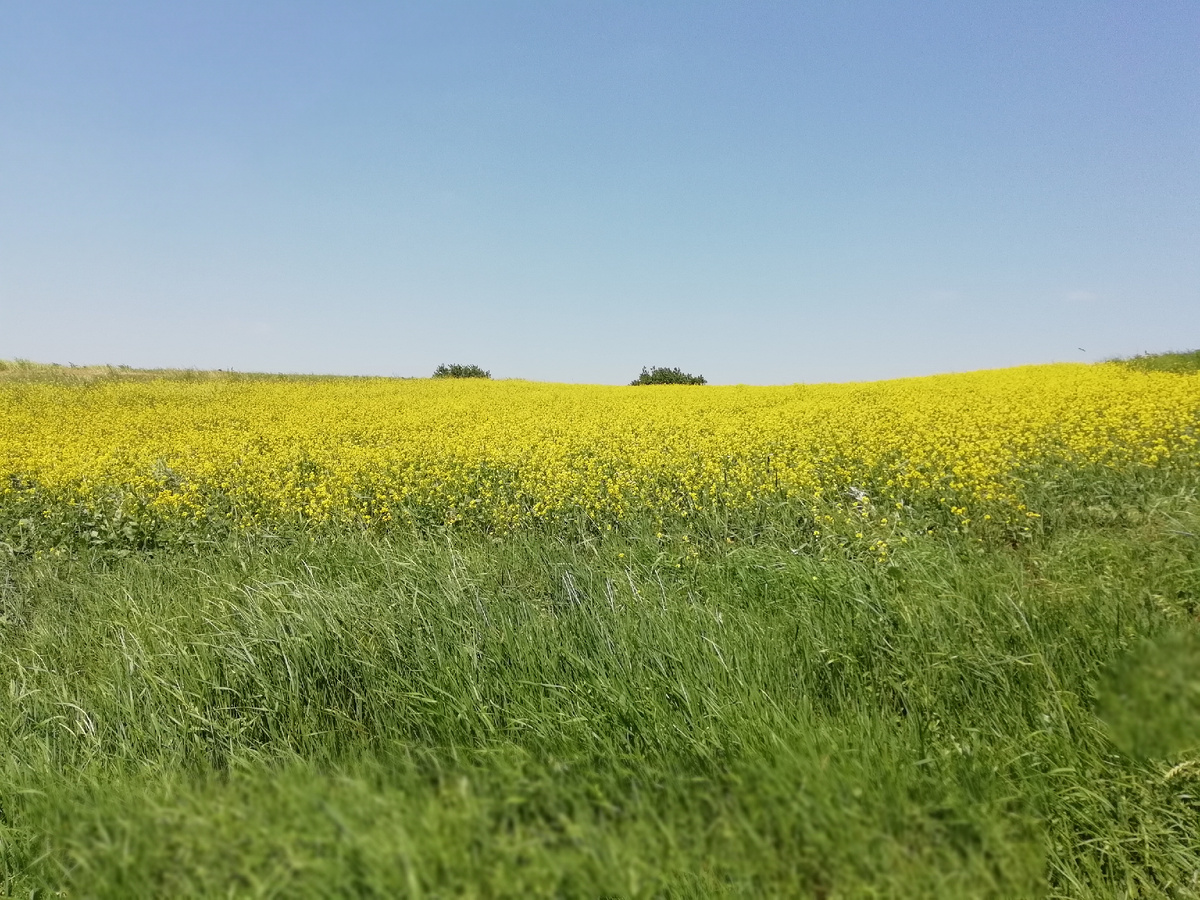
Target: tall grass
[[1182, 363], [453, 714], [26, 371]]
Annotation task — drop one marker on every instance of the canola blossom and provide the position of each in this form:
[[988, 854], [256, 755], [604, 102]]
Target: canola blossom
[[503, 454]]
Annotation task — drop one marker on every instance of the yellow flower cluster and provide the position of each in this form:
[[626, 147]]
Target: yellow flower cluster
[[505, 453]]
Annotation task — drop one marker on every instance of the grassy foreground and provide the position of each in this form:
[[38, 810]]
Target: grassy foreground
[[550, 714]]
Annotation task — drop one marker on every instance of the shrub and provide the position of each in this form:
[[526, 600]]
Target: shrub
[[663, 375], [458, 371]]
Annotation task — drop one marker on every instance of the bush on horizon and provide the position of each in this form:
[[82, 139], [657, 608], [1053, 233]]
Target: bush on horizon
[[455, 370], [663, 375]]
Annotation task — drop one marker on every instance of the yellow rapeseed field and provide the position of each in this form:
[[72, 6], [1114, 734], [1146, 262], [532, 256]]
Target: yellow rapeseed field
[[508, 453]]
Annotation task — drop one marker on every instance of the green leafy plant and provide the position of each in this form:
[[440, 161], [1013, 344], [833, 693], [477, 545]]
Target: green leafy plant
[[663, 375], [460, 371]]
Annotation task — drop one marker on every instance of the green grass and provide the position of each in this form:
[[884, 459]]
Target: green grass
[[1184, 363], [452, 714]]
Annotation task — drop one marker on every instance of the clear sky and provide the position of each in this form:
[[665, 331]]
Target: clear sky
[[567, 191]]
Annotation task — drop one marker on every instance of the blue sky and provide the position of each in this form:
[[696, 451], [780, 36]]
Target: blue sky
[[759, 192]]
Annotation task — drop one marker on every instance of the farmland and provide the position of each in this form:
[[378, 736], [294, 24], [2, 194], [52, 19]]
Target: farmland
[[272, 636], [504, 455]]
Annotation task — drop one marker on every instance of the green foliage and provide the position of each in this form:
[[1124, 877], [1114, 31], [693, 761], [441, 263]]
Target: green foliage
[[456, 370], [1185, 363], [663, 375], [1150, 699], [718, 711]]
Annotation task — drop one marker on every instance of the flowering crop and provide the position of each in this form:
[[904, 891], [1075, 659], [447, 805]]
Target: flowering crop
[[509, 453]]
